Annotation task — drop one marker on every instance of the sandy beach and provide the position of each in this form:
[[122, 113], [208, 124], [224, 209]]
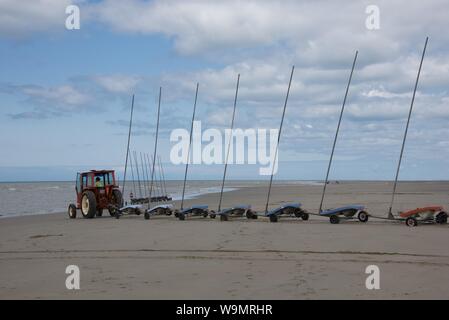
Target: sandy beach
[[163, 258]]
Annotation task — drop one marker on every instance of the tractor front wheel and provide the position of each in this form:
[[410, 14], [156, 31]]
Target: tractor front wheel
[[181, 216], [88, 205], [305, 216], [72, 211], [223, 217], [273, 218]]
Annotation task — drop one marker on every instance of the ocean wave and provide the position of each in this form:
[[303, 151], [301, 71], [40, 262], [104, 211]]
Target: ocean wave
[[203, 191]]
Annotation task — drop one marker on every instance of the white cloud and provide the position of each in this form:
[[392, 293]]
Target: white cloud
[[199, 25], [311, 30], [373, 111], [382, 93], [50, 101], [65, 95], [118, 83]]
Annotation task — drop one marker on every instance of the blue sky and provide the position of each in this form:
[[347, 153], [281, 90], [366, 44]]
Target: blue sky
[[65, 95]]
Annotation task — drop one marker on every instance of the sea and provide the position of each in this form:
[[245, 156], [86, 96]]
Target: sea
[[34, 198]]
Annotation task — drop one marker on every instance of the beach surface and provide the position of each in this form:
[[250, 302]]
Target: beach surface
[[203, 258]]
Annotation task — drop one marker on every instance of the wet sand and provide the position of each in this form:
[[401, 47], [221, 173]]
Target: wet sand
[[164, 258]]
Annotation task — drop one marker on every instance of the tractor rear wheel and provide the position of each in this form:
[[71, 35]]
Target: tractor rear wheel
[[334, 219], [72, 211], [99, 212], [411, 222], [362, 216], [146, 215], [181, 216], [117, 200], [88, 205]]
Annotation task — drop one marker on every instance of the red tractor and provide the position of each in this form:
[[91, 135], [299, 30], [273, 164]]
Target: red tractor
[[96, 190]]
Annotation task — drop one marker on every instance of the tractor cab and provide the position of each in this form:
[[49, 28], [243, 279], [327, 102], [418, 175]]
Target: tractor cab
[[98, 181], [95, 179]]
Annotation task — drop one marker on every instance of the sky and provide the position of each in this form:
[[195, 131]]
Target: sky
[[65, 95]]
